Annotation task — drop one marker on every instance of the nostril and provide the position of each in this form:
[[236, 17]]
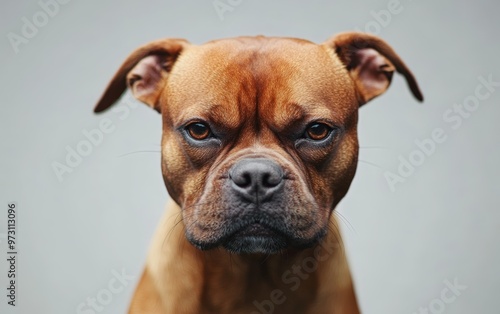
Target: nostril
[[265, 180], [270, 180], [246, 180], [243, 180]]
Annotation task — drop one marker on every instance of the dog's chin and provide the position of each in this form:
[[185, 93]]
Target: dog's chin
[[258, 239], [255, 245]]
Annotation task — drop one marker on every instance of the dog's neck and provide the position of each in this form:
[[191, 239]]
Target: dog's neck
[[188, 280]]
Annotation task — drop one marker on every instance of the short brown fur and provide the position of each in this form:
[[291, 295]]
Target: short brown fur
[[258, 94]]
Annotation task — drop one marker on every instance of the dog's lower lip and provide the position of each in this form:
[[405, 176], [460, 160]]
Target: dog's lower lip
[[255, 230], [256, 238]]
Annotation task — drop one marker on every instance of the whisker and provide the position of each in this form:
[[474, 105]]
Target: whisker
[[374, 147], [140, 152], [345, 221], [371, 164]]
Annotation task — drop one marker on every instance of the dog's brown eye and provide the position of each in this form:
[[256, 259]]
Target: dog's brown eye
[[198, 131], [318, 131]]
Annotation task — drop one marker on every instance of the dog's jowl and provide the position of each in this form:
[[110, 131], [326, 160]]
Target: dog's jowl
[[259, 145]]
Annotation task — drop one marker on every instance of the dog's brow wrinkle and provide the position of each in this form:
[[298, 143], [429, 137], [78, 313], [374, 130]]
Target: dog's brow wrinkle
[[290, 113], [220, 116]]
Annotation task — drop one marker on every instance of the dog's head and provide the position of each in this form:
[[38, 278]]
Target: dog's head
[[259, 134]]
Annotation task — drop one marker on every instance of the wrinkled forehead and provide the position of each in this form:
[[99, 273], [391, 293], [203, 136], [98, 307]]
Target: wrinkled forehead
[[272, 78]]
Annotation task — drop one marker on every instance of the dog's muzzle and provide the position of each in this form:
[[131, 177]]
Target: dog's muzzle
[[255, 181]]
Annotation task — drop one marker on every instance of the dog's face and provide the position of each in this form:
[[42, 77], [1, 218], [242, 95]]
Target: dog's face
[[259, 134], [258, 145]]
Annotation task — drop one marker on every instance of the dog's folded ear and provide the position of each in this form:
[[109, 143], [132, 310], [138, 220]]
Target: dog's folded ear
[[371, 63], [144, 72]]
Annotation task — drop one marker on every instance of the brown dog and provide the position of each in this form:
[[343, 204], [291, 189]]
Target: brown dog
[[259, 146]]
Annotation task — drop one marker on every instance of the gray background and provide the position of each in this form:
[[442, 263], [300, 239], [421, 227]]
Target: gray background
[[441, 224]]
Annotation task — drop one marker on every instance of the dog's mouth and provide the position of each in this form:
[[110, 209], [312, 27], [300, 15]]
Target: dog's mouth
[[255, 230], [256, 238]]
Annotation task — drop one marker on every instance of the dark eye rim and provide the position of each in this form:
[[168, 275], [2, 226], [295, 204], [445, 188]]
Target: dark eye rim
[[187, 130], [335, 134], [328, 127]]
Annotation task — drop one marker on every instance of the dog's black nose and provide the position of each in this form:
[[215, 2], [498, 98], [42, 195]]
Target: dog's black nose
[[256, 178]]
